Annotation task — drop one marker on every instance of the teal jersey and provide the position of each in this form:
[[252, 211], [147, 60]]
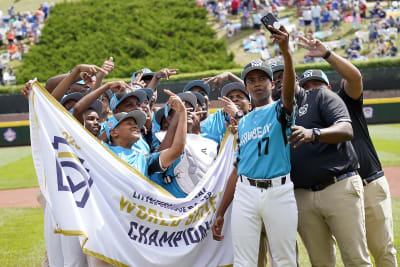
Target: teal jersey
[[135, 158], [142, 145], [263, 151], [214, 128]]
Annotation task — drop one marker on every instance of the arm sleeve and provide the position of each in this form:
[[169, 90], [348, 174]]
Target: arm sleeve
[[154, 164], [332, 108]]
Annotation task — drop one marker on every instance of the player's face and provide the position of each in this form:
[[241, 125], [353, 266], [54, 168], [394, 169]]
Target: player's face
[[129, 104], [128, 130], [314, 84], [146, 108], [200, 90], [240, 100], [259, 86], [91, 122], [277, 90]]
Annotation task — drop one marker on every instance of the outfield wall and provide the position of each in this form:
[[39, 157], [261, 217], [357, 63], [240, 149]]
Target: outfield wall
[[376, 111]]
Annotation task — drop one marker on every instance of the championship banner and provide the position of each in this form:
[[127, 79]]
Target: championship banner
[[121, 216]]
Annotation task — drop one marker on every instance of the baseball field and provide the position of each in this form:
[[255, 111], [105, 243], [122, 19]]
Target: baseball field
[[21, 218]]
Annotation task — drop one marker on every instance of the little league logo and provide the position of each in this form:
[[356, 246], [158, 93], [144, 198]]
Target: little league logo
[[308, 73], [71, 174], [256, 63]]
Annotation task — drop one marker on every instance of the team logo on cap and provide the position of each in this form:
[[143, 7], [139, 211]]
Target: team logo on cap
[[256, 63], [110, 124], [308, 73], [72, 175]]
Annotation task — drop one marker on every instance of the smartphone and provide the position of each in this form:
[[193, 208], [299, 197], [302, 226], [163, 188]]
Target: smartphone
[[269, 19]]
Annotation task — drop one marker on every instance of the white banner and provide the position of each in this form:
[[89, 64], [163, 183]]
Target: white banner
[[123, 217]]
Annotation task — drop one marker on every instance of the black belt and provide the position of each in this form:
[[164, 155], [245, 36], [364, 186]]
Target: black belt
[[373, 177], [262, 183], [331, 181]]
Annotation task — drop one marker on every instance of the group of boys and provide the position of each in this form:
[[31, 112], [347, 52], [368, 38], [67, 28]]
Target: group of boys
[[304, 163]]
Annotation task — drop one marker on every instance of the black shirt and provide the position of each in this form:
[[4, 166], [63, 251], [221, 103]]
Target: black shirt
[[366, 153], [312, 163]]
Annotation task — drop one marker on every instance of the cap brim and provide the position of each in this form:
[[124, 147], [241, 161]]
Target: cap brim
[[189, 97], [266, 70], [303, 81], [232, 87], [138, 115], [73, 96]]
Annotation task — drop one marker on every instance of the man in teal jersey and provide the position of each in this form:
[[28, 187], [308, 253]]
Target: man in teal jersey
[[260, 184]]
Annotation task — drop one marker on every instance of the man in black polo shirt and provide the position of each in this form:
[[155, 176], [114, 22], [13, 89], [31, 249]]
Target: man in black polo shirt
[[377, 201], [329, 192]]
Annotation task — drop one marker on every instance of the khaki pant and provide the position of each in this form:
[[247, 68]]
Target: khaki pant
[[337, 212], [379, 222]]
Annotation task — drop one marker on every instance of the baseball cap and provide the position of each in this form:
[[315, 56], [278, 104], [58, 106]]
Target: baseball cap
[[72, 96], [146, 73], [97, 106], [200, 97], [232, 87], [277, 67], [119, 97], [313, 75], [113, 121], [257, 64], [199, 83], [148, 91], [188, 97], [109, 94]]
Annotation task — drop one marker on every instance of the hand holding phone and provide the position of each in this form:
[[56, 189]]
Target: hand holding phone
[[270, 20]]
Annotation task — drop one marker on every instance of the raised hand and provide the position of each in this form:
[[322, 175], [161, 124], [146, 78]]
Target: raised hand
[[119, 86], [229, 107], [280, 37], [175, 102], [315, 47], [27, 88], [218, 80], [165, 73], [91, 70], [108, 65], [138, 81]]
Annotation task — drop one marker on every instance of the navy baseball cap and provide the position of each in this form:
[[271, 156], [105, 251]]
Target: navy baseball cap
[[113, 121], [232, 87], [119, 97], [257, 64], [200, 98], [188, 97], [97, 106], [313, 75], [72, 96], [149, 92], [198, 83]]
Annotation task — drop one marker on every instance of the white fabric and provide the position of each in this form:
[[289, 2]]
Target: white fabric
[[200, 153], [276, 207], [121, 216]]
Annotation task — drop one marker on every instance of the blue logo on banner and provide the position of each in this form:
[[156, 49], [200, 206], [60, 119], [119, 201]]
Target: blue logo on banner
[[79, 180]]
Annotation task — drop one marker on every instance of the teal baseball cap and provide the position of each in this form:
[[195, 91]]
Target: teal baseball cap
[[313, 75]]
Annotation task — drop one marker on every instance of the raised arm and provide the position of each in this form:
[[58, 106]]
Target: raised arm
[[91, 70], [171, 154], [88, 99], [353, 80], [218, 80], [108, 66], [281, 37]]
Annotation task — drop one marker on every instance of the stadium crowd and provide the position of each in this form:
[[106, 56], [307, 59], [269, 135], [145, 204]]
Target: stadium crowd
[[331, 157], [18, 31]]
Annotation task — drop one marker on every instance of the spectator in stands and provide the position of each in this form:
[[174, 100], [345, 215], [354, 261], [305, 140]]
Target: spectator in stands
[[372, 32], [356, 11], [316, 14], [307, 17], [392, 49], [381, 48], [256, 20], [10, 36], [325, 17], [334, 16], [363, 9], [235, 7]]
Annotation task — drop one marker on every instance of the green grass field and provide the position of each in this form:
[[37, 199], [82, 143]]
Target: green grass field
[[21, 229]]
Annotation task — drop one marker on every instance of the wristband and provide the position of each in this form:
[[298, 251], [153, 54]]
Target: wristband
[[327, 55]]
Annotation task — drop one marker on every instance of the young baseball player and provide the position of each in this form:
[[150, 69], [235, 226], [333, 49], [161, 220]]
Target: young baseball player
[[263, 187], [377, 203], [125, 131]]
